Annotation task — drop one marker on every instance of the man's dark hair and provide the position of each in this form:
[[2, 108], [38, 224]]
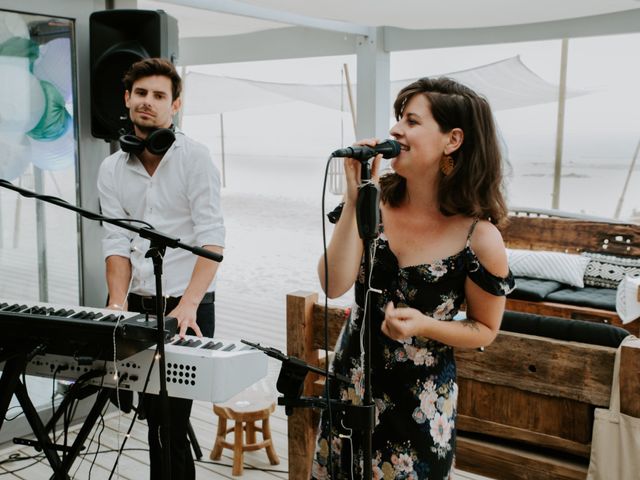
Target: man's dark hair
[[150, 67]]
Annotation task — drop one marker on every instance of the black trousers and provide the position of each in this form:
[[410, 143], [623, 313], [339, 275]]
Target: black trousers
[[182, 466]]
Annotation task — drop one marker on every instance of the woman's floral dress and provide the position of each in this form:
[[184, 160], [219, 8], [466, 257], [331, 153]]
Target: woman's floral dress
[[413, 382]]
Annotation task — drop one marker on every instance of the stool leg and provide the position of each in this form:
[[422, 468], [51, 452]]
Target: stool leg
[[266, 434], [251, 432], [216, 453], [238, 452]]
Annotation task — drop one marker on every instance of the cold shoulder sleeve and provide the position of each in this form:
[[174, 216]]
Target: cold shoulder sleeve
[[495, 285]]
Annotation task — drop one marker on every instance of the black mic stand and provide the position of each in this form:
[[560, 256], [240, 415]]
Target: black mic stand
[[368, 220], [290, 384], [158, 244], [293, 372]]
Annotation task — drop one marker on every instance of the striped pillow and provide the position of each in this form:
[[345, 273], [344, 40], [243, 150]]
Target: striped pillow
[[561, 267]]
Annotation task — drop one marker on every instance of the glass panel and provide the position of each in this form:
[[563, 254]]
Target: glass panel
[[38, 241]]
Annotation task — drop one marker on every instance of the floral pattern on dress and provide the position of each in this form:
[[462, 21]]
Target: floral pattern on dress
[[445, 309], [413, 382]]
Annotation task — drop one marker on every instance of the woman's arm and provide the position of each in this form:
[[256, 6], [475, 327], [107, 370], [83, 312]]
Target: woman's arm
[[343, 254]]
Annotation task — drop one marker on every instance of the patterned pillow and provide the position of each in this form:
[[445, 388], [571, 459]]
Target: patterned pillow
[[608, 270], [561, 267]]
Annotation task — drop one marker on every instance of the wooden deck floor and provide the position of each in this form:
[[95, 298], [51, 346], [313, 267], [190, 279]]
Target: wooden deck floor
[[133, 463]]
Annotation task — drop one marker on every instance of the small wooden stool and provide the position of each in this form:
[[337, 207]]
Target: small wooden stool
[[245, 413]]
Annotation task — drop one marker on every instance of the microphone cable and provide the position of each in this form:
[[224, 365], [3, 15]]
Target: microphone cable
[[116, 374], [135, 416], [327, 391]]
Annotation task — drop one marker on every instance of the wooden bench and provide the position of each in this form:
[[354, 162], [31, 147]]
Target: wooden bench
[[525, 407], [551, 231]]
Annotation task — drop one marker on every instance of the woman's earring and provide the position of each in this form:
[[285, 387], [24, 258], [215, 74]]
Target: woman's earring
[[446, 165]]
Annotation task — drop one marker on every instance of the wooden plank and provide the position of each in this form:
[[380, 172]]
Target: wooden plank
[[512, 414], [571, 236], [508, 463], [630, 379], [466, 423], [546, 366], [336, 317]]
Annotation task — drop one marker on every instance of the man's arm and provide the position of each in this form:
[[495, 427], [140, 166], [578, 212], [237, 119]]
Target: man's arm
[[118, 278], [116, 244], [203, 192], [203, 274]]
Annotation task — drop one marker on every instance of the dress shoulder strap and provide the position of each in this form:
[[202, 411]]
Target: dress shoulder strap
[[471, 229]]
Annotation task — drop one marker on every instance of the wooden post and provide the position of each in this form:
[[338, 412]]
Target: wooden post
[[304, 421], [629, 379]]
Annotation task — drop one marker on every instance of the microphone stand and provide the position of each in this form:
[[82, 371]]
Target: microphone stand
[[293, 372], [368, 220], [158, 243]]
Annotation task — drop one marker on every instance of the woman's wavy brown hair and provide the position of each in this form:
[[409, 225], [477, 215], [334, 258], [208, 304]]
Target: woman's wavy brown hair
[[475, 186]]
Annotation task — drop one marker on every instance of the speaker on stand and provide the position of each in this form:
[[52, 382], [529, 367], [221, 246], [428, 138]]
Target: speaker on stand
[[118, 39]]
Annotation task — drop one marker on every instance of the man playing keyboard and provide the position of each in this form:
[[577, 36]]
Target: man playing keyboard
[[165, 178]]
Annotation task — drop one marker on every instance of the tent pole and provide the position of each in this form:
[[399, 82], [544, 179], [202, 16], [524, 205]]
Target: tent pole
[[350, 95], [626, 182], [562, 95]]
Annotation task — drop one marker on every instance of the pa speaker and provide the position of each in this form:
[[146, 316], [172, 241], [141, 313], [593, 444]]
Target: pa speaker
[[118, 39]]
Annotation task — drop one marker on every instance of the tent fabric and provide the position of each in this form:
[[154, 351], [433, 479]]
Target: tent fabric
[[507, 84]]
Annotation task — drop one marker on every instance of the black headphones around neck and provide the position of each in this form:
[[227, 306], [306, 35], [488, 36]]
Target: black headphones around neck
[[157, 142]]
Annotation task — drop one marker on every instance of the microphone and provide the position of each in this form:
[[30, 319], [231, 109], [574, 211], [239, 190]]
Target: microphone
[[389, 149]]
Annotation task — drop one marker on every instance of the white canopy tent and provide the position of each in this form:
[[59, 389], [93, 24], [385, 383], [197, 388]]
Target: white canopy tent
[[219, 31], [508, 83]]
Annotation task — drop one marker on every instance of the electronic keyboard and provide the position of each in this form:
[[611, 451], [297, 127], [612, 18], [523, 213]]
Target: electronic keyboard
[[82, 332]]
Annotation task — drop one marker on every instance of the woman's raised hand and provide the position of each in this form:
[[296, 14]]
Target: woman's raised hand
[[352, 171]]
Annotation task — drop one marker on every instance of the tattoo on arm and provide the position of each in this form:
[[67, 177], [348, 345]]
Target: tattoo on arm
[[472, 324]]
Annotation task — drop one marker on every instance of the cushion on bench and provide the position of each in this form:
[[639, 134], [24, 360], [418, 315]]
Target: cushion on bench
[[534, 288], [563, 329], [561, 267], [594, 297], [609, 270]]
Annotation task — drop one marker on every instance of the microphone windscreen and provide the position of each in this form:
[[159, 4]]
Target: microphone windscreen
[[389, 148]]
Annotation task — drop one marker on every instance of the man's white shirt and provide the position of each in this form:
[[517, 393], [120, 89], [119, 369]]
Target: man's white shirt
[[181, 199]]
